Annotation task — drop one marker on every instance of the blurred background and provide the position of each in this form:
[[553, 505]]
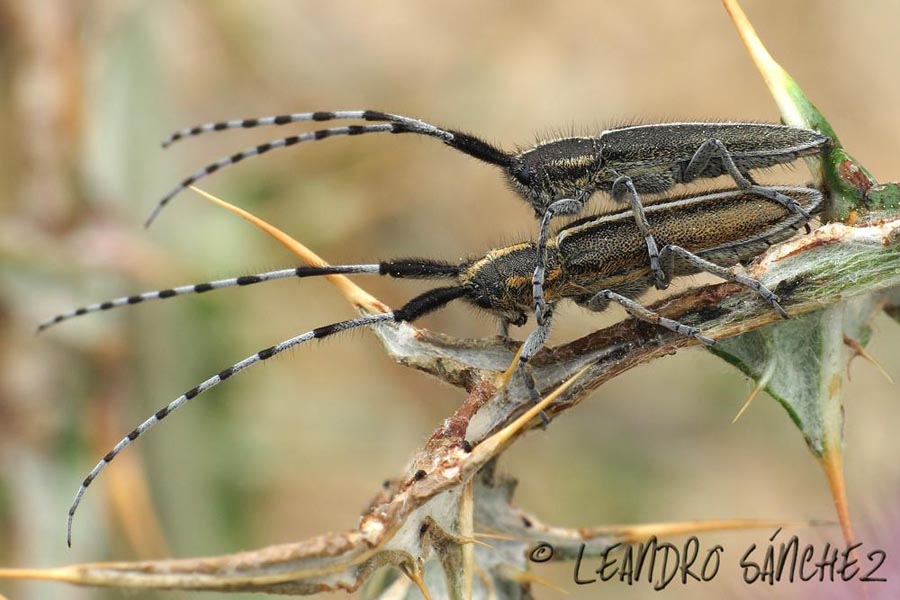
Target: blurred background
[[298, 446]]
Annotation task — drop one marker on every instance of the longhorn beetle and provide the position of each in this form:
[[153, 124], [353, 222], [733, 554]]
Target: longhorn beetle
[[557, 177], [592, 261]]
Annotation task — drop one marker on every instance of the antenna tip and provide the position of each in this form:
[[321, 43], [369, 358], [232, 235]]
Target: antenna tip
[[158, 208], [69, 530]]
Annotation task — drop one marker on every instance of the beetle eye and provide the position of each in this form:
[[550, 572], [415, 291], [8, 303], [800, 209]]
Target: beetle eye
[[523, 175]]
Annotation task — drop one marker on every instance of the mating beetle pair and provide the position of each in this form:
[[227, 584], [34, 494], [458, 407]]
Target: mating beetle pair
[[593, 261]]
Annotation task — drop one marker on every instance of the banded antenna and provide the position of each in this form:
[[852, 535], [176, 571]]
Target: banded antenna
[[417, 268], [414, 309], [463, 142]]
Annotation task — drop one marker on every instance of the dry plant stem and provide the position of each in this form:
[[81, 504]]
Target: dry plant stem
[[835, 263]]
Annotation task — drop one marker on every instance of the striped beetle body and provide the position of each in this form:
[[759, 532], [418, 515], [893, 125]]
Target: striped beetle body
[[606, 251]]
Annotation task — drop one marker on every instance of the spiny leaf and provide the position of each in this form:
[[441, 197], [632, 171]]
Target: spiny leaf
[[848, 181], [804, 361]]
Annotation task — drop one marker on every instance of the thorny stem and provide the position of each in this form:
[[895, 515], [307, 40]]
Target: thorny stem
[[415, 515]]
